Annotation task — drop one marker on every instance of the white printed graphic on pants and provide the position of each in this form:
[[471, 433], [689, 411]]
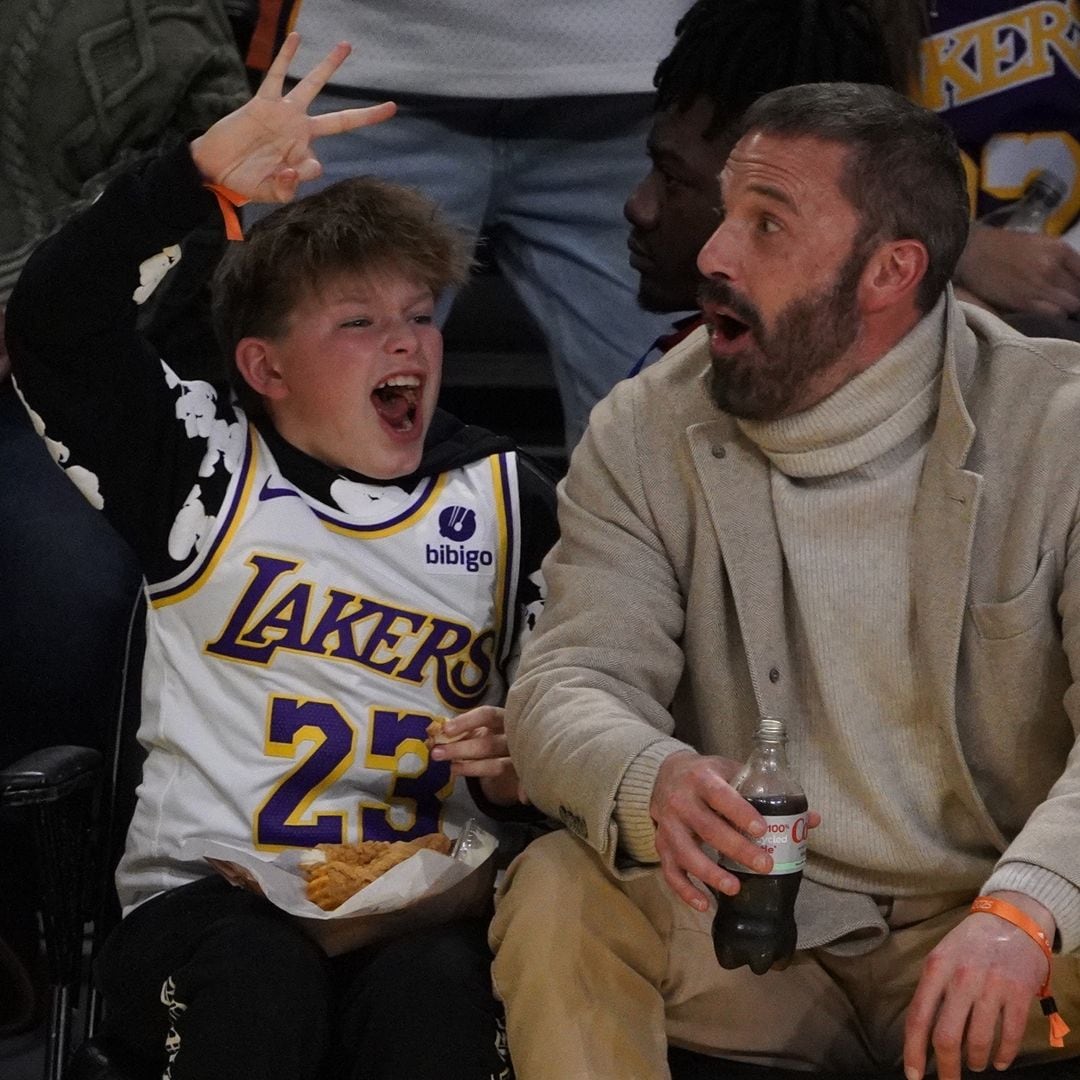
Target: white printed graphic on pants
[[172, 1039]]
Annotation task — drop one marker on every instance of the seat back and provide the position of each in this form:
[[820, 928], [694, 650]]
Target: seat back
[[120, 780]]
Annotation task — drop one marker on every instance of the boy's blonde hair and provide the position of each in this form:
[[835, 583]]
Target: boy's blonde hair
[[355, 228]]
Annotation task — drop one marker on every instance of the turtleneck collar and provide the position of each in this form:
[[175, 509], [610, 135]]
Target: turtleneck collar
[[873, 414]]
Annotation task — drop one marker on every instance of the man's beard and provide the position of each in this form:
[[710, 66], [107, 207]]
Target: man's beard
[[769, 377]]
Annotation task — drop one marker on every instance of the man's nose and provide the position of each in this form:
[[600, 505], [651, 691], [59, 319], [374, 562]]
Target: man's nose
[[642, 207], [719, 255]]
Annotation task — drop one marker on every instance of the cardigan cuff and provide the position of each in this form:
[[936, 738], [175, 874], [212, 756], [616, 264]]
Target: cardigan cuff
[[637, 833], [1060, 896]]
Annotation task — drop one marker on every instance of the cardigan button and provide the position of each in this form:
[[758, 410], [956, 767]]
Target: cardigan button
[[774, 675], [719, 452]]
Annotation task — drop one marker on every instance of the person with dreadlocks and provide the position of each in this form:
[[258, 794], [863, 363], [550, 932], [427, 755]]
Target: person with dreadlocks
[[727, 54]]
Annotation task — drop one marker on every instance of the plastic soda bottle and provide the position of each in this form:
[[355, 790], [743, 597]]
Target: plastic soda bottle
[[756, 927], [1029, 213]]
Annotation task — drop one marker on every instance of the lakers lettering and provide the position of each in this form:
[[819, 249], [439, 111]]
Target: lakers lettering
[[993, 54], [278, 612]]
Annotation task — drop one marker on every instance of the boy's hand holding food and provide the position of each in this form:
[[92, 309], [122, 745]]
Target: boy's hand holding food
[[475, 745]]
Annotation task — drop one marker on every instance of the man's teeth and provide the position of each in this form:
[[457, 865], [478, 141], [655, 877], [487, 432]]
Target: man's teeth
[[399, 380]]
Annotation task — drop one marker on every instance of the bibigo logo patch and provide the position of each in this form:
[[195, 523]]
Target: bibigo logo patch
[[457, 524]]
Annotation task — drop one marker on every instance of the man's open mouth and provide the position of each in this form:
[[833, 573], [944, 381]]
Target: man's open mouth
[[396, 401], [729, 327]]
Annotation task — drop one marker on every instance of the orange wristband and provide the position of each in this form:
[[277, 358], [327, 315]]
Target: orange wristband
[[228, 201], [1010, 913]]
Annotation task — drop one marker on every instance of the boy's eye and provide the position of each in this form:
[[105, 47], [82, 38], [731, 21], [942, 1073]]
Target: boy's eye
[[361, 322], [423, 320]]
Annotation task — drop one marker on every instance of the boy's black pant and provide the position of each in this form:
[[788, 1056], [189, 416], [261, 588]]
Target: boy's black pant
[[209, 981]]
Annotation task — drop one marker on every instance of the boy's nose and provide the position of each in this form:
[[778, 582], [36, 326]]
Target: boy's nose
[[401, 338]]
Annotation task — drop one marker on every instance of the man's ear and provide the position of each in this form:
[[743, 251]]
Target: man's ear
[[892, 274], [257, 362]]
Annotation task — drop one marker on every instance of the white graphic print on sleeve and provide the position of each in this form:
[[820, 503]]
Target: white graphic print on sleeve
[[191, 525], [152, 270], [196, 406], [85, 480]]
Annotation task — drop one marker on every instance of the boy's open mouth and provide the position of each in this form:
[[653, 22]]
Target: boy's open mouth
[[396, 401]]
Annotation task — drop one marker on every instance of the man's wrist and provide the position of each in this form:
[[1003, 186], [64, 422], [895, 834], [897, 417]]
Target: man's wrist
[[1031, 907]]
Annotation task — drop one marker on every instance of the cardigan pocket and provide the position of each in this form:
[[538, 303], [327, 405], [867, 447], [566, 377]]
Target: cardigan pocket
[[1011, 685], [1032, 605]]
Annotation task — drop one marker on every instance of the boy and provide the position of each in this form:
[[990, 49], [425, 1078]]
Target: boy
[[330, 563]]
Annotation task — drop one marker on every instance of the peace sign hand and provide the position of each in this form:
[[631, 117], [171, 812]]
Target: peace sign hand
[[263, 150]]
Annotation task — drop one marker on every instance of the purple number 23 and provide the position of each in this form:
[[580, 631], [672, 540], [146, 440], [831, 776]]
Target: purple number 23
[[286, 818]]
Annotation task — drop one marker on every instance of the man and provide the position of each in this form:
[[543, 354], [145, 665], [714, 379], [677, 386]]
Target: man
[[727, 53], [850, 502]]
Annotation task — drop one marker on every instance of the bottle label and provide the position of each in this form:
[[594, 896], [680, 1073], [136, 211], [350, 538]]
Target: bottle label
[[784, 840]]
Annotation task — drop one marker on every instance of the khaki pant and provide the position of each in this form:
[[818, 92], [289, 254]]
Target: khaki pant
[[598, 975]]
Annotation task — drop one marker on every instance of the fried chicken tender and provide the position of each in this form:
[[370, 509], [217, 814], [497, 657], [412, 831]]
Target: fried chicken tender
[[355, 854], [350, 867]]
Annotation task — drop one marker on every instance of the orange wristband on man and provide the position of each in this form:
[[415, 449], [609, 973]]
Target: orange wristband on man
[[1010, 913]]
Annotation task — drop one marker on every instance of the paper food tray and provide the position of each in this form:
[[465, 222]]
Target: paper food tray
[[423, 874]]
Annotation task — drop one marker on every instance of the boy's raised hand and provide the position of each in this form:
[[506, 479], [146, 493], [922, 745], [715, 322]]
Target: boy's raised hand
[[263, 150]]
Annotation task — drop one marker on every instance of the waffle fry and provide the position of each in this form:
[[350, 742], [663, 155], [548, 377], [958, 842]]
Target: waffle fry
[[435, 732], [348, 868]]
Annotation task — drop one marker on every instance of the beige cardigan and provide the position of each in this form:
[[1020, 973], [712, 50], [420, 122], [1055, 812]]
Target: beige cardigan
[[664, 626]]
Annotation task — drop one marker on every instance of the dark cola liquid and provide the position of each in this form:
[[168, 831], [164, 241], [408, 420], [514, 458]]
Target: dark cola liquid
[[756, 928]]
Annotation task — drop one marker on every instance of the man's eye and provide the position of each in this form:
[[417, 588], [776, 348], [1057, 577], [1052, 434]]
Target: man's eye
[[423, 320], [360, 323], [768, 225]]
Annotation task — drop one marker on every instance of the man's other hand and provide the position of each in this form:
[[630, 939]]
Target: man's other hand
[[977, 985]]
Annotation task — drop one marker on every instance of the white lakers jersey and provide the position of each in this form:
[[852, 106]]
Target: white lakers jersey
[[291, 671]]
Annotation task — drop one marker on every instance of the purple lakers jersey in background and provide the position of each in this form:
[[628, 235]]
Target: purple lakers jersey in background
[[1006, 77]]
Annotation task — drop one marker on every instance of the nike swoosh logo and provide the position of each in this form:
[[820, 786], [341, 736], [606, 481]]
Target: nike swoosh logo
[[269, 492]]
